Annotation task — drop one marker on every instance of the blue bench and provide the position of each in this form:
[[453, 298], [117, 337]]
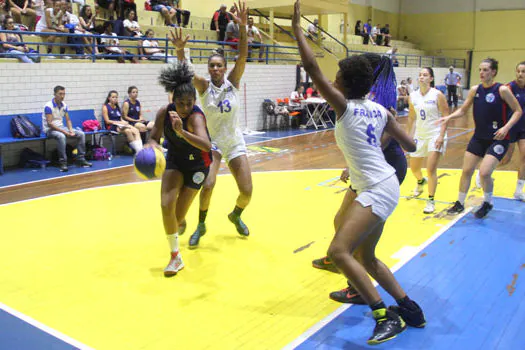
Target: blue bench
[[77, 118]]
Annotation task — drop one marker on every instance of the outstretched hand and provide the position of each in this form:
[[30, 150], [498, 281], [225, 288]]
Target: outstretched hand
[[176, 38], [296, 19]]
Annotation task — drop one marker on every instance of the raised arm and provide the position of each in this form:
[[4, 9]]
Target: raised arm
[[507, 96], [242, 20], [200, 83], [333, 96]]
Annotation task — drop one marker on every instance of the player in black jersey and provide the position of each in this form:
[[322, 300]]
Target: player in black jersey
[[189, 154]]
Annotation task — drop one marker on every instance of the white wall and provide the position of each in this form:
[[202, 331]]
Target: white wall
[[87, 85]]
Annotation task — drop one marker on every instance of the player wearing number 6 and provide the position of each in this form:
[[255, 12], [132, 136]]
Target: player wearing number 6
[[220, 102], [427, 105]]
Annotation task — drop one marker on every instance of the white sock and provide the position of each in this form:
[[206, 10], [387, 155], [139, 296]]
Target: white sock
[[174, 242], [136, 145], [488, 197], [519, 186], [461, 197]]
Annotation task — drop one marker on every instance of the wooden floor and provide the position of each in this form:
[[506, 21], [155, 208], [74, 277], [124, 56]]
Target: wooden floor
[[311, 151]]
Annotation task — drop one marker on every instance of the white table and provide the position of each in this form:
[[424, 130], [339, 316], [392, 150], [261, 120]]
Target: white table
[[317, 116]]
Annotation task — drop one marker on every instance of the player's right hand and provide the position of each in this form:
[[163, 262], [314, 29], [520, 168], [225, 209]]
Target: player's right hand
[[344, 175]]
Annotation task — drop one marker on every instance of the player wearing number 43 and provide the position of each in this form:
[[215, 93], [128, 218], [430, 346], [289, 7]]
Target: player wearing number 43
[[427, 105], [220, 102]]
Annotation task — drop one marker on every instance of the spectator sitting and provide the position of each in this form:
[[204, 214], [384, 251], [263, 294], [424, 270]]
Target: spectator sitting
[[312, 92], [131, 25], [14, 46], [113, 120], [313, 31], [392, 54], [87, 22], [53, 126], [74, 26], [232, 34], [386, 34], [132, 113], [39, 6], [181, 13], [125, 6], [152, 50], [52, 22], [108, 5], [165, 9], [252, 33], [376, 34], [367, 32], [295, 105], [220, 21], [111, 46], [19, 8], [402, 97]]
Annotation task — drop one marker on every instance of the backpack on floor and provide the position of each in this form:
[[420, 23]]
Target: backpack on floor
[[21, 127], [28, 156]]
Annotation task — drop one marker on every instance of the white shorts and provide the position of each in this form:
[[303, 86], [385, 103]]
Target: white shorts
[[426, 145], [382, 197], [230, 151]]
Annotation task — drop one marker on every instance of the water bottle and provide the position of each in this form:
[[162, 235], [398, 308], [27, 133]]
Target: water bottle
[[110, 157]]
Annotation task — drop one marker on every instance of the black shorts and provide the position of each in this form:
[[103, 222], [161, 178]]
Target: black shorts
[[194, 176], [480, 147], [516, 136]]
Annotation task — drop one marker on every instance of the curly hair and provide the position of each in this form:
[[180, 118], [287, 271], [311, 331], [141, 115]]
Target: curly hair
[[357, 75], [177, 78]]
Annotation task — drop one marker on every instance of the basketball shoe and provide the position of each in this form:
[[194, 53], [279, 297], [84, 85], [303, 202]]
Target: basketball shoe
[[175, 265], [241, 227], [196, 236], [325, 264], [388, 326]]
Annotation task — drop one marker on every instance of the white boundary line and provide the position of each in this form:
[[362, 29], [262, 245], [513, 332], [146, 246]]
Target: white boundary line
[[65, 176], [44, 328], [312, 330]]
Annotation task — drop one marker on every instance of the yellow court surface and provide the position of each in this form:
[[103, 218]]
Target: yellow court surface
[[89, 263]]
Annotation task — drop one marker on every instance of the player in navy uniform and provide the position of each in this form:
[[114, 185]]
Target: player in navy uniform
[[491, 134], [359, 127], [132, 113], [517, 133], [189, 154], [113, 120]]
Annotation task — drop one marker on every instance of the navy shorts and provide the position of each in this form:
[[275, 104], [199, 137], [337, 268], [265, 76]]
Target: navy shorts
[[516, 136], [480, 147], [194, 175]]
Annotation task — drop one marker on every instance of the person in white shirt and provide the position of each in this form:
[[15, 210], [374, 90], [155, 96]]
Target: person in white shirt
[[111, 46], [359, 127], [410, 86], [53, 125], [131, 24], [152, 50], [254, 37], [427, 106], [295, 105]]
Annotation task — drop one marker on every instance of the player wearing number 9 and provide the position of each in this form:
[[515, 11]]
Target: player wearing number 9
[[427, 106], [219, 96]]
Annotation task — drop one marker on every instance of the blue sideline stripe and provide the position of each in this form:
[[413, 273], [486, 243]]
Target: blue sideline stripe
[[464, 283]]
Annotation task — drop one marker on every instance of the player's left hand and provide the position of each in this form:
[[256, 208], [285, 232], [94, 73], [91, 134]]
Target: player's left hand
[[501, 133]]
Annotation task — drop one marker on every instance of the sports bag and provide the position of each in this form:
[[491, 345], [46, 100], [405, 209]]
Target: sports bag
[[21, 127]]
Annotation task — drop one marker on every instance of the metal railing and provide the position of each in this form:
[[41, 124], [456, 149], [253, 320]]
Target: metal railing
[[270, 53], [320, 40]]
